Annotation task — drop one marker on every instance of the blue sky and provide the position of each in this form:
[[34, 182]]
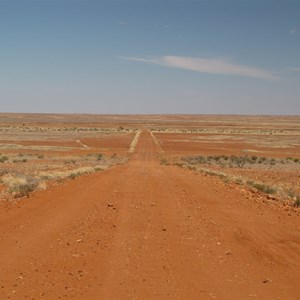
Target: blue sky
[[231, 57]]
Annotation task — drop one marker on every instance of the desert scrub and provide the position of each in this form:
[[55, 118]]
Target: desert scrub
[[261, 160], [233, 161], [3, 159], [94, 156], [164, 161], [221, 175], [70, 161], [195, 159], [3, 172], [59, 175], [291, 193], [23, 160], [239, 181], [73, 175], [23, 190], [262, 187], [20, 185], [297, 201], [238, 161]]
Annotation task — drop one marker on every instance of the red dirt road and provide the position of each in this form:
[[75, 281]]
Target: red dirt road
[[146, 231]]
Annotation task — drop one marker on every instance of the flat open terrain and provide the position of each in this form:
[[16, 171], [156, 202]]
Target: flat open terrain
[[169, 207]]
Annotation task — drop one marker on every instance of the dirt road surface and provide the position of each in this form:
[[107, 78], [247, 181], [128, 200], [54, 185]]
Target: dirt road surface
[[147, 231]]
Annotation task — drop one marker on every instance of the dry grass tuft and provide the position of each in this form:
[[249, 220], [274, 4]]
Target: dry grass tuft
[[20, 185], [69, 173], [134, 141]]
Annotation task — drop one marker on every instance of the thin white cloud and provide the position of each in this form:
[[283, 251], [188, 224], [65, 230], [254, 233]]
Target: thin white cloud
[[219, 66], [293, 30]]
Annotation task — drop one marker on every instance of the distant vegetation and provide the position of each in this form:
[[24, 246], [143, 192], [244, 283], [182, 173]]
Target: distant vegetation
[[225, 131], [38, 169], [238, 161], [209, 165]]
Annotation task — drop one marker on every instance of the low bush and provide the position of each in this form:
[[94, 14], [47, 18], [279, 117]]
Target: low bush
[[163, 161], [3, 159], [297, 201], [73, 175], [23, 190], [262, 187], [20, 185]]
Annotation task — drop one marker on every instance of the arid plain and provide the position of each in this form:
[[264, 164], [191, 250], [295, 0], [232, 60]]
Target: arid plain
[[149, 207]]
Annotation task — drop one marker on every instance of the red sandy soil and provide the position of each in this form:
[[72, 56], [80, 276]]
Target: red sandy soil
[[107, 144], [147, 231], [178, 143], [66, 143], [116, 142]]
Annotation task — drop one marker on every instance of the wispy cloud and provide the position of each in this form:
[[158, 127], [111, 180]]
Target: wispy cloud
[[219, 66], [293, 30]]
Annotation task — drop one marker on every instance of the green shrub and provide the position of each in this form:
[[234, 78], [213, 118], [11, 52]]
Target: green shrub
[[262, 159], [163, 161], [3, 172], [262, 187], [217, 158], [23, 190], [291, 193], [179, 164], [72, 175], [239, 181], [3, 159], [239, 161]]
